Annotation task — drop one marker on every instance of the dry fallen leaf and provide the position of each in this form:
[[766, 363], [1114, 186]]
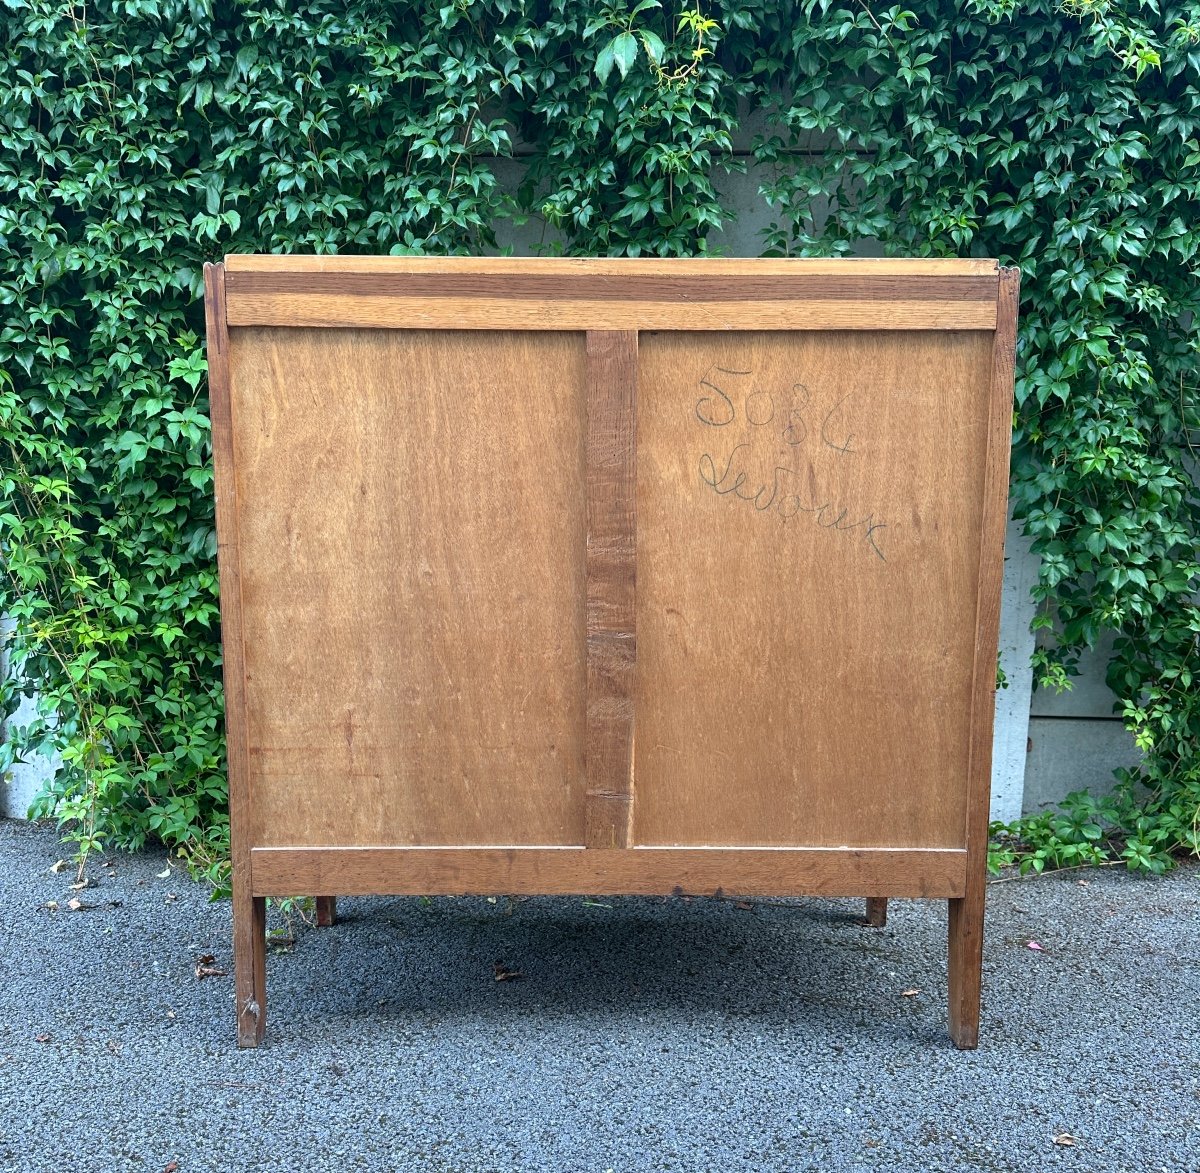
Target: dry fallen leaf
[[84, 883], [206, 966], [1065, 1140], [41, 1038], [52, 905], [165, 874], [60, 866], [504, 974], [77, 905], [171, 897], [744, 905], [170, 1167], [910, 993]]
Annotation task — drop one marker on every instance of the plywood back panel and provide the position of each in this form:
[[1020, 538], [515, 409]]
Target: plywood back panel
[[412, 552], [809, 508], [703, 586]]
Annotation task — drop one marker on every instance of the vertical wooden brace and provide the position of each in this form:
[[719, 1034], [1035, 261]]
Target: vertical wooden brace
[[611, 479]]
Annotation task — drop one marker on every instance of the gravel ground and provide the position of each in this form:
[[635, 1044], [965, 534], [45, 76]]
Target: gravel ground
[[643, 1035]]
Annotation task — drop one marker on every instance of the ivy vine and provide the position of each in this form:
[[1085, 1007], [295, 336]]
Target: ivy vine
[[140, 137]]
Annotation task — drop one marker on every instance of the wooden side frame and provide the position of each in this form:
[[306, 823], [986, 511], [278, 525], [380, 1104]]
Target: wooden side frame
[[249, 910], [965, 966], [611, 300]]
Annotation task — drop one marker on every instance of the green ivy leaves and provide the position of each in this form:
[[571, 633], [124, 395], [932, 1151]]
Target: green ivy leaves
[[621, 51], [694, 30]]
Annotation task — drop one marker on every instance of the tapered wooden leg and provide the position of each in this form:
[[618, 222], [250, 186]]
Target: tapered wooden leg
[[250, 967], [877, 911], [966, 965], [326, 911]]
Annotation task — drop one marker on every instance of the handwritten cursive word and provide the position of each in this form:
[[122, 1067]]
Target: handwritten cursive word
[[737, 483], [753, 471], [791, 505], [733, 479]]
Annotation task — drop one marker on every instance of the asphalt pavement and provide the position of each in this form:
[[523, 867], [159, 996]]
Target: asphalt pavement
[[630, 1034]]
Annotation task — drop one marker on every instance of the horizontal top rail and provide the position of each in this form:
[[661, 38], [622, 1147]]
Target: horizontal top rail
[[531, 293]]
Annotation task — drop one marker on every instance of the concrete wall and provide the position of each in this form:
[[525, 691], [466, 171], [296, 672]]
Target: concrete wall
[[1076, 740], [21, 782], [1010, 738]]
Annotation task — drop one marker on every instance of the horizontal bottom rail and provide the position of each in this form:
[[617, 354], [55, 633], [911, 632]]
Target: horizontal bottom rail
[[635, 871]]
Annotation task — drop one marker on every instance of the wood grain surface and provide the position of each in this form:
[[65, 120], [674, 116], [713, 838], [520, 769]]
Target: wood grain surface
[[412, 542], [809, 510], [649, 288], [249, 911], [966, 915], [876, 914], [611, 294], [646, 871], [300, 309], [611, 578]]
